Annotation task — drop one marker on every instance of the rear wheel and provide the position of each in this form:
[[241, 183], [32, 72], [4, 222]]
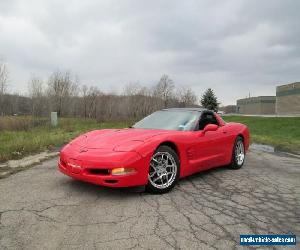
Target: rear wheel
[[238, 154], [163, 170]]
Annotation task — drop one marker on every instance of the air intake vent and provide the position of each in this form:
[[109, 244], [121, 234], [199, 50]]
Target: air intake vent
[[97, 171]]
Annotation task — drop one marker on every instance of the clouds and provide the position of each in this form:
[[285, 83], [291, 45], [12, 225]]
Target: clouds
[[233, 46]]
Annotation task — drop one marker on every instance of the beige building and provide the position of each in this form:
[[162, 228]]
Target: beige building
[[228, 109], [260, 105], [288, 99]]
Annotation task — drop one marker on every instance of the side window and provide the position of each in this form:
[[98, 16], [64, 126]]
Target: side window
[[207, 118]]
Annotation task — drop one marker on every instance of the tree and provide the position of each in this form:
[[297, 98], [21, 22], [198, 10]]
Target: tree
[[186, 97], [61, 87], [137, 100], [84, 90], [3, 85], [35, 89], [132, 88], [3, 78], [164, 90], [90, 96], [209, 100]]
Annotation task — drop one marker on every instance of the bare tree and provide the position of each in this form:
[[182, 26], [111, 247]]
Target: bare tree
[[3, 85], [186, 97], [61, 94], [3, 78], [164, 90], [132, 88], [61, 88], [84, 90], [90, 97], [35, 89], [138, 101]]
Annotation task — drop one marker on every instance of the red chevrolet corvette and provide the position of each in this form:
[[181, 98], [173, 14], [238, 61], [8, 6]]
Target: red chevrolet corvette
[[156, 151]]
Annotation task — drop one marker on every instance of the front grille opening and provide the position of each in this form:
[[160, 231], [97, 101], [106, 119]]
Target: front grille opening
[[97, 171], [111, 181]]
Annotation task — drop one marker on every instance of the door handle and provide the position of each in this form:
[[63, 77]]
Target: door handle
[[224, 132]]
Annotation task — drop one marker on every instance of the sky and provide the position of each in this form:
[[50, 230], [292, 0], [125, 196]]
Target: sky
[[235, 47]]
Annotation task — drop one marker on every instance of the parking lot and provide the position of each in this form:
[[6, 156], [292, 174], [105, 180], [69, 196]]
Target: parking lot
[[42, 209]]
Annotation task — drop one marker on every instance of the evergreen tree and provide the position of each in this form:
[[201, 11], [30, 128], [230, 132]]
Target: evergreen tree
[[209, 100]]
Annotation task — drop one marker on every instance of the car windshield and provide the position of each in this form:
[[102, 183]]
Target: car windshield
[[169, 120]]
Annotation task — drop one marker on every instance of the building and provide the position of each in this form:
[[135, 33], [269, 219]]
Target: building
[[288, 99], [260, 105], [228, 109]]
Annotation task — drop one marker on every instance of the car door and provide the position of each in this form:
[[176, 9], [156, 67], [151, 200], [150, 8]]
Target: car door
[[210, 146]]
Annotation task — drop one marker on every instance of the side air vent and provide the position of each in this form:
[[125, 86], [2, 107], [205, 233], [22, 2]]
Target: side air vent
[[190, 153]]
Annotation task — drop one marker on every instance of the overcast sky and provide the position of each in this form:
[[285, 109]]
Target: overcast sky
[[234, 47]]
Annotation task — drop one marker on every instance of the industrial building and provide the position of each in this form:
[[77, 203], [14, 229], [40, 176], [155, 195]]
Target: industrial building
[[260, 105], [229, 109], [288, 99]]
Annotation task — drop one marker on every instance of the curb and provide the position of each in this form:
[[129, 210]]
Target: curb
[[14, 166]]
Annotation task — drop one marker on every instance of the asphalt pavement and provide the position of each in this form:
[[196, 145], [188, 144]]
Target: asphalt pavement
[[42, 209]]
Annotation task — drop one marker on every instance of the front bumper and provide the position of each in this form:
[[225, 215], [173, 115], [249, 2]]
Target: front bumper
[[87, 168]]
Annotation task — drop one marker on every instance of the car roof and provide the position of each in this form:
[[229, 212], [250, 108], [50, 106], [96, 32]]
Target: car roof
[[187, 109]]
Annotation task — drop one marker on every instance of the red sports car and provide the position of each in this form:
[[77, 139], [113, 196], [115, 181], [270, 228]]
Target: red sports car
[[156, 151]]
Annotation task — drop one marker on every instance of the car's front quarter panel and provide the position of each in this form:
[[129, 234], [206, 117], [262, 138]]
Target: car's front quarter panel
[[236, 129], [181, 140]]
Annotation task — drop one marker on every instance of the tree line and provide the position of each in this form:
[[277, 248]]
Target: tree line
[[62, 92]]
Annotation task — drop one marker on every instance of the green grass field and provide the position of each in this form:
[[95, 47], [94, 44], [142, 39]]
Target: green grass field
[[283, 133], [16, 144]]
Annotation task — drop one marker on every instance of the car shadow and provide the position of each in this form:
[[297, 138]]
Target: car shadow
[[90, 188], [207, 172]]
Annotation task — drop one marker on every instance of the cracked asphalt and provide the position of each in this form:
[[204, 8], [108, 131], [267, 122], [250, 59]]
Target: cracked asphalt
[[42, 209]]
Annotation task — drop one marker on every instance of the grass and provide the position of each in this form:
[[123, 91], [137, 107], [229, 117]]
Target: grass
[[281, 132], [21, 123], [16, 144], [19, 139]]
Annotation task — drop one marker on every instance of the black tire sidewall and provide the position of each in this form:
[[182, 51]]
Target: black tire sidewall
[[149, 187]]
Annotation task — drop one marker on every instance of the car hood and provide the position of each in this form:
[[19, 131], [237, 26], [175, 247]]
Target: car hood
[[116, 139]]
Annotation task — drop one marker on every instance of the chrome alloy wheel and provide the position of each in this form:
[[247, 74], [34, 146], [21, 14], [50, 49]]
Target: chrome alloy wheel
[[163, 169], [239, 152]]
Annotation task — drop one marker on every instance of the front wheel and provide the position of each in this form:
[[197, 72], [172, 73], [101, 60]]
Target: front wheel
[[238, 154], [163, 170]]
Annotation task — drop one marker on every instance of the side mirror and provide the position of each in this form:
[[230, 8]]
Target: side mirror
[[210, 127]]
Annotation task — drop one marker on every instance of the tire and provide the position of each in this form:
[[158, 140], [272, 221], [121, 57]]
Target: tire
[[162, 179], [238, 154]]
